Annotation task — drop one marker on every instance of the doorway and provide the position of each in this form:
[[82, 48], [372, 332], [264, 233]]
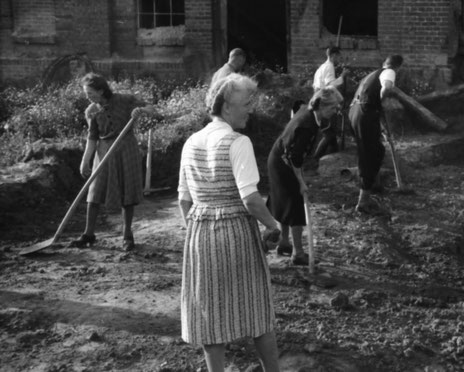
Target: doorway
[[259, 27]]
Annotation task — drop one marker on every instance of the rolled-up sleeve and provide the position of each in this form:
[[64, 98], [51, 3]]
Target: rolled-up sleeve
[[90, 114], [244, 166]]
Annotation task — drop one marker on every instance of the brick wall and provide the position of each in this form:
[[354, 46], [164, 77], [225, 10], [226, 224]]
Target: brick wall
[[106, 30], [124, 29], [83, 27], [417, 29], [34, 18], [199, 37]]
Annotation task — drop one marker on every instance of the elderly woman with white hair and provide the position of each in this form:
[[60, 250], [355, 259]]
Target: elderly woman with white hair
[[226, 288], [285, 162]]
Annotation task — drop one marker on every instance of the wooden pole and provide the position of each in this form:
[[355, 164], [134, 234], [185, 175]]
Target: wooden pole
[[339, 30], [149, 159], [148, 189], [428, 117], [309, 230]]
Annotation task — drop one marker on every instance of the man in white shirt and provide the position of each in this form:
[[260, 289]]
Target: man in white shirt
[[237, 59], [324, 77], [325, 74]]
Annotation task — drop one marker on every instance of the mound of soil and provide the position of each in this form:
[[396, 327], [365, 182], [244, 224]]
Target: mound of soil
[[387, 294]]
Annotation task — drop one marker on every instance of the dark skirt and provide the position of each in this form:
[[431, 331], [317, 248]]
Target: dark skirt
[[120, 181], [285, 200]]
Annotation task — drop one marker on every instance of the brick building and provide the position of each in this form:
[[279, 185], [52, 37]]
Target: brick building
[[192, 37]]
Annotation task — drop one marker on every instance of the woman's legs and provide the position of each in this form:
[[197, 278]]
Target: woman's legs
[[214, 356], [266, 347], [91, 222], [127, 216], [297, 232], [285, 235]]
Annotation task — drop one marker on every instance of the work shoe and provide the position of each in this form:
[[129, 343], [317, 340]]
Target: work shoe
[[371, 208], [128, 244], [284, 249], [83, 241], [301, 259]]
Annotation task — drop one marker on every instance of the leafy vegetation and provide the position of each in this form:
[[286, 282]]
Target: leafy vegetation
[[57, 113]]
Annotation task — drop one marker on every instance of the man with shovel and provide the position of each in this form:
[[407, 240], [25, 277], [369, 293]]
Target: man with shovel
[[365, 117]]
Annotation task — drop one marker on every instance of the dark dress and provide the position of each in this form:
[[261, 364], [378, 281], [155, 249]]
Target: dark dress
[[296, 141], [365, 114]]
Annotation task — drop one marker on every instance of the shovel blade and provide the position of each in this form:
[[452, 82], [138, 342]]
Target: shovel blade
[[37, 247]]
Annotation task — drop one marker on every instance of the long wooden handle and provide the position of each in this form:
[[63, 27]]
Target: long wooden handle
[[149, 159], [94, 174], [309, 230], [399, 181], [386, 126]]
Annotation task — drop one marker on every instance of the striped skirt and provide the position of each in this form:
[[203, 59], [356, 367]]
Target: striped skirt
[[226, 288], [120, 182]]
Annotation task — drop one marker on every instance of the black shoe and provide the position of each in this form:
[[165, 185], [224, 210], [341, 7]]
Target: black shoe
[[83, 241], [128, 244], [284, 249], [301, 260]]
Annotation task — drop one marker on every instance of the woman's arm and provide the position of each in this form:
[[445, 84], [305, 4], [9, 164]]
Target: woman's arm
[[254, 204], [89, 151], [147, 109], [184, 206], [299, 175]]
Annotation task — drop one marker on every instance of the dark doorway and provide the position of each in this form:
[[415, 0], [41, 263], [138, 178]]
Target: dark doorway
[[354, 17], [260, 28]]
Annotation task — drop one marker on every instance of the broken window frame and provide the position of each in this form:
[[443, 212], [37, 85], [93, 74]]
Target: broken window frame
[[173, 16]]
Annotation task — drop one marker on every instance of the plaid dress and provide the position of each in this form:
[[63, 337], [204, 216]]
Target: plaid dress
[[226, 289], [120, 181]]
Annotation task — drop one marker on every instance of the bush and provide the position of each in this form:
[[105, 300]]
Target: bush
[[57, 113]]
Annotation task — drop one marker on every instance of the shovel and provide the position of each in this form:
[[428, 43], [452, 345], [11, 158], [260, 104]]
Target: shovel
[[399, 182], [72, 208], [309, 231]]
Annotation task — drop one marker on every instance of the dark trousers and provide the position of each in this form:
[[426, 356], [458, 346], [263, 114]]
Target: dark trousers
[[365, 124]]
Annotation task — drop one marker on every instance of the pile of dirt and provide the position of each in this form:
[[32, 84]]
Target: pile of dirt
[[387, 294]]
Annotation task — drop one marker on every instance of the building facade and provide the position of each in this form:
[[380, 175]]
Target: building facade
[[190, 38]]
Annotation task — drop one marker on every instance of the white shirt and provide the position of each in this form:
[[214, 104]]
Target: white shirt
[[224, 71], [324, 75], [241, 154], [387, 75]]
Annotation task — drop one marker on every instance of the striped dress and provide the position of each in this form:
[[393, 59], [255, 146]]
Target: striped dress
[[226, 289]]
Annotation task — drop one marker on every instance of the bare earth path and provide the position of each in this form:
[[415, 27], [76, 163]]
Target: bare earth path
[[388, 294]]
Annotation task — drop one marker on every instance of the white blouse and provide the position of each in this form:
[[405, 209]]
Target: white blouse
[[241, 153]]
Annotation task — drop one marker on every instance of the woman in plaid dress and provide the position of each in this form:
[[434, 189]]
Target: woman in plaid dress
[[120, 181], [226, 290]]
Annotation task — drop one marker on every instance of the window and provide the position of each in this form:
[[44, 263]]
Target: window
[[352, 17], [161, 13]]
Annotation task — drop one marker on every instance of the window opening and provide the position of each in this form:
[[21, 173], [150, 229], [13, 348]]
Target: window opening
[[161, 13], [353, 17]]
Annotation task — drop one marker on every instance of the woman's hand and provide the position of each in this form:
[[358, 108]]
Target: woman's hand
[[271, 235], [137, 112], [303, 188], [270, 238], [85, 169]]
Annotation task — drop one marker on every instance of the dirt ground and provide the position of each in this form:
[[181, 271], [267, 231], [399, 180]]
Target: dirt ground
[[387, 294]]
